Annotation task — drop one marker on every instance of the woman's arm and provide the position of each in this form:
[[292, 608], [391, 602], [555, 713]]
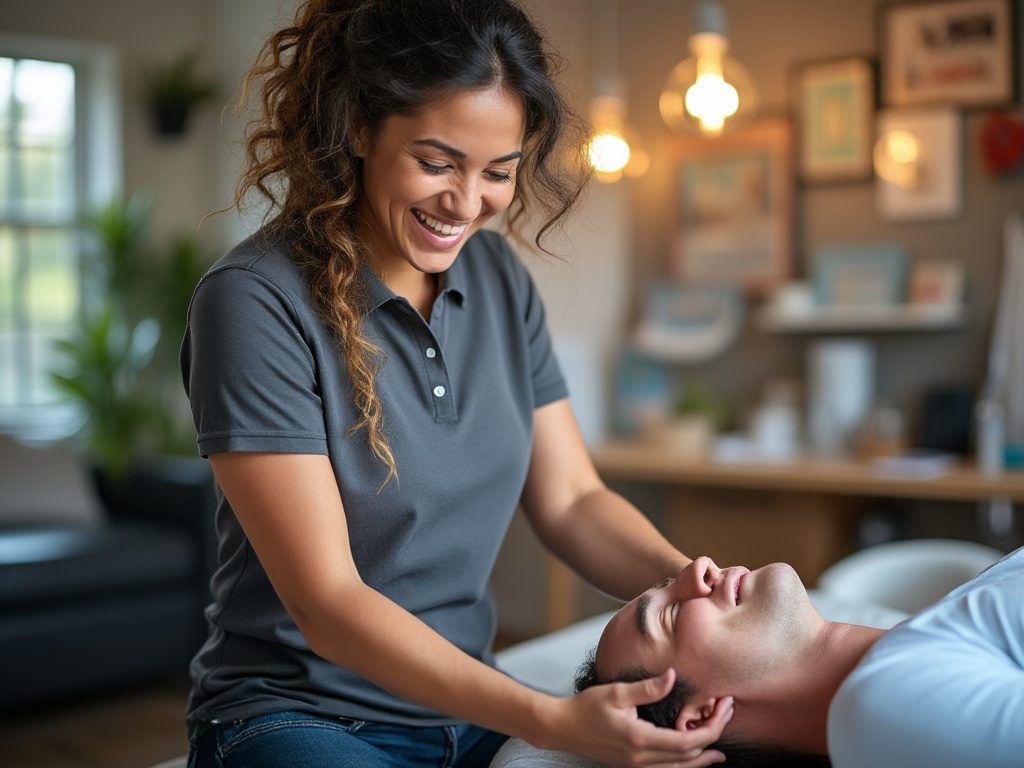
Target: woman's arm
[[292, 513], [599, 534]]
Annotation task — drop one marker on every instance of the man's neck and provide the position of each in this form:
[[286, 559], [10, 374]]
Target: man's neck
[[791, 710]]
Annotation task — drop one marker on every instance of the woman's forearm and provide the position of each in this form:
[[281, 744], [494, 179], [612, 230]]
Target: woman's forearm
[[611, 544], [363, 631]]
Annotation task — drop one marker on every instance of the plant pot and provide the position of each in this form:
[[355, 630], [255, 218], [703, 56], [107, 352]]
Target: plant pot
[[689, 437], [170, 119]]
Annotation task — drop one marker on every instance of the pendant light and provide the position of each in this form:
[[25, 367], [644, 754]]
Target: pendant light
[[710, 92], [614, 149]]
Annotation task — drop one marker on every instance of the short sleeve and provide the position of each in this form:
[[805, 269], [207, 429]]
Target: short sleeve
[[545, 374], [248, 371], [939, 704]]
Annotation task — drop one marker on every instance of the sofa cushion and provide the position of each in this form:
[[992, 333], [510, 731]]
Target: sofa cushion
[[45, 484], [66, 562]]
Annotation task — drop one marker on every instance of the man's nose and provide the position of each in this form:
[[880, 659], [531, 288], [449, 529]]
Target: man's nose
[[699, 578]]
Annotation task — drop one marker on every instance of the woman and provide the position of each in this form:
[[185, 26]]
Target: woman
[[373, 383]]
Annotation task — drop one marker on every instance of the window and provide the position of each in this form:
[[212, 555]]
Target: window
[[39, 264], [56, 108]]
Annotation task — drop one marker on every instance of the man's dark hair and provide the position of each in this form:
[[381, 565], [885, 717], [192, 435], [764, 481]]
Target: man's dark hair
[[663, 713]]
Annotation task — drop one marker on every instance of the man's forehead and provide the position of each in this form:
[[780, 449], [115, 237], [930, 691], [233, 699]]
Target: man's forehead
[[624, 627]]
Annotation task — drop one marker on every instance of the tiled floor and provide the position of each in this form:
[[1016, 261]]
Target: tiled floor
[[132, 729]]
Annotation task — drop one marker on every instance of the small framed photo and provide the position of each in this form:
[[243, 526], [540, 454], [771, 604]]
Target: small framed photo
[[919, 164], [860, 276], [954, 52], [936, 283], [835, 110], [734, 207]]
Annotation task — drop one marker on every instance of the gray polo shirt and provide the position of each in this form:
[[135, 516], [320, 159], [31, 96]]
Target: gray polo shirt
[[264, 373]]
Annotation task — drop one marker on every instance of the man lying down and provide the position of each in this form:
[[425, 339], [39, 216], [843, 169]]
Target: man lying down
[[944, 688]]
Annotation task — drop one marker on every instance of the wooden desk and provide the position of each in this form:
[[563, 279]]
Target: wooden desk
[[804, 512]]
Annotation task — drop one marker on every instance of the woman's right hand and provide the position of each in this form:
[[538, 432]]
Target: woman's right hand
[[602, 723]]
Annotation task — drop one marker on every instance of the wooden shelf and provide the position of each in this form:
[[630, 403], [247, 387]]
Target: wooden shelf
[[638, 461], [898, 319]]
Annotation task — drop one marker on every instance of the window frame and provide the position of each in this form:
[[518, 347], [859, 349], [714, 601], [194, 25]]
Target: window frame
[[98, 171]]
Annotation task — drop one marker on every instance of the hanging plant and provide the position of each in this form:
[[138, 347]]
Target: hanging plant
[[173, 90]]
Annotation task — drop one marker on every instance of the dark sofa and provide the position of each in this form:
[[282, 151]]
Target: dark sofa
[[89, 607]]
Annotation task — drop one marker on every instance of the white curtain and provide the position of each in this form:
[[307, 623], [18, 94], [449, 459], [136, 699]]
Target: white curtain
[[1006, 358]]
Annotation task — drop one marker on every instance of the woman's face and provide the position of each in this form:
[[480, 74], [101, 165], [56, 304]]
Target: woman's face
[[432, 179]]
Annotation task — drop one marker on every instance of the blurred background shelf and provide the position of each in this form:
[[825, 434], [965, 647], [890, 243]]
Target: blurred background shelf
[[898, 319]]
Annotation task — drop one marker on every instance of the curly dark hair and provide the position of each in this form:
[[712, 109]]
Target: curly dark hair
[[738, 752], [345, 66]]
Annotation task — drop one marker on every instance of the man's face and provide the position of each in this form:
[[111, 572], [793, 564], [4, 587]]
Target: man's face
[[721, 629]]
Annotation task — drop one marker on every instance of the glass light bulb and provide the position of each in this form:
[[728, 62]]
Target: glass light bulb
[[903, 146], [899, 159], [608, 152], [711, 100]]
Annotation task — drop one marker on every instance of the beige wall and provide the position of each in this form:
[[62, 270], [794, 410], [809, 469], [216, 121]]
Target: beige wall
[[142, 33]]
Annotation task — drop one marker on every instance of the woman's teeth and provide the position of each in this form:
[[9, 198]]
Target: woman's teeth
[[441, 229]]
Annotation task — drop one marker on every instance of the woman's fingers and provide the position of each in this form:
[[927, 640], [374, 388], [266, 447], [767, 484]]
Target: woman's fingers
[[673, 742], [644, 691]]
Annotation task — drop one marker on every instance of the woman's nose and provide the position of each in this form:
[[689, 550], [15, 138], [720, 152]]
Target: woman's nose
[[462, 201]]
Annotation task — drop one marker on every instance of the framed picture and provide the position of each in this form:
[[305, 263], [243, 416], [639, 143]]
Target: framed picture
[[835, 109], [919, 163], [937, 283], [860, 276], [733, 209], [956, 52]]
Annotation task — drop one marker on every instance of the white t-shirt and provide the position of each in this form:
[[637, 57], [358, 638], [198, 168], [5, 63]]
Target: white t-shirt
[[944, 688]]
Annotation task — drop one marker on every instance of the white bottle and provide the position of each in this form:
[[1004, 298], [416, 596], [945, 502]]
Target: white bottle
[[990, 435]]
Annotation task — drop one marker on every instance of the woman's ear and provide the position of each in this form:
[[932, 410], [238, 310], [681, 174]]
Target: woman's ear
[[360, 140], [694, 714]]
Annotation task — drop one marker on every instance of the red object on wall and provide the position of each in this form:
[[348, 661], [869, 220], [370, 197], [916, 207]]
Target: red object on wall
[[1002, 140]]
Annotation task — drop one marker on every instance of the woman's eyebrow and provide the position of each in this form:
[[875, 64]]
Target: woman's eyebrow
[[459, 154]]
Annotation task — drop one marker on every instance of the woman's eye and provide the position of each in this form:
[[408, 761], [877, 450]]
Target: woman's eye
[[431, 168], [501, 178]]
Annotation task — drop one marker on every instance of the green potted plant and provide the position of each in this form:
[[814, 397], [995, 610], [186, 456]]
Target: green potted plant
[[101, 367], [173, 90], [101, 364], [697, 415], [112, 367]]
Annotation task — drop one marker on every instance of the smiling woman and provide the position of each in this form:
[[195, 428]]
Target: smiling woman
[[432, 179], [371, 331]]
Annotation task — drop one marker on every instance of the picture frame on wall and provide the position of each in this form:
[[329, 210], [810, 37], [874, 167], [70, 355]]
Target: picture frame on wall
[[834, 104], [936, 283], [953, 52], [860, 276], [919, 164], [734, 207]]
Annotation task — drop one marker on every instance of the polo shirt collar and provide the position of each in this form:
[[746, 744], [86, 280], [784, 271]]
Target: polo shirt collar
[[453, 280]]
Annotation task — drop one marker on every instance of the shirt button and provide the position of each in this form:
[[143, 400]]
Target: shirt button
[[431, 352], [439, 391]]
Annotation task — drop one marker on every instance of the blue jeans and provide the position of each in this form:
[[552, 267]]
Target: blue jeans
[[300, 740]]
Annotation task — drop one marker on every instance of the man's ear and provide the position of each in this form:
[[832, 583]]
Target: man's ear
[[695, 713]]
